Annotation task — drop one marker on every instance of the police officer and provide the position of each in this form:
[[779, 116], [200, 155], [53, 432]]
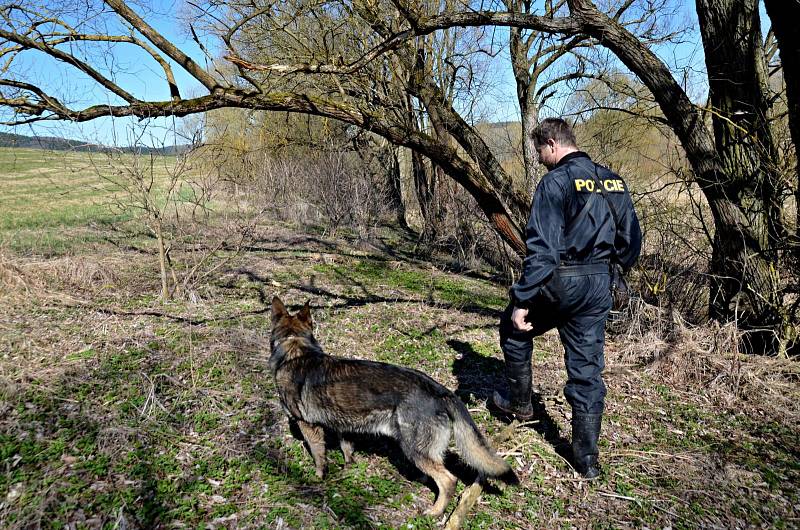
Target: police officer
[[582, 219]]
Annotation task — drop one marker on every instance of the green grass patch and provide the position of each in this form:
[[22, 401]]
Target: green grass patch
[[45, 193], [413, 348], [432, 286]]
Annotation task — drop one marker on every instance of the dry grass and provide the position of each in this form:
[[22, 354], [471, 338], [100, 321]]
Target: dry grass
[[69, 273], [12, 278], [119, 410], [707, 359]]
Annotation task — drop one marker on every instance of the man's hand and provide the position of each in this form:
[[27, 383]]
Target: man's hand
[[518, 318]]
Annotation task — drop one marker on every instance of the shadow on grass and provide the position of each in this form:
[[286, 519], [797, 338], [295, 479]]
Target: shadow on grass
[[62, 471], [548, 429], [344, 497], [336, 480], [465, 304], [404, 246], [479, 376]]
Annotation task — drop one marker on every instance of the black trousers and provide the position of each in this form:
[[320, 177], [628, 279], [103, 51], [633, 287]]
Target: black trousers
[[578, 307]]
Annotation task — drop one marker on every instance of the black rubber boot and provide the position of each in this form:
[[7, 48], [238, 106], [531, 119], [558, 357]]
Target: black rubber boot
[[518, 400], [585, 433]]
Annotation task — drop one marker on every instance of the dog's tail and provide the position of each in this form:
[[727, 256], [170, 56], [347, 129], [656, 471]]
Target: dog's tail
[[473, 447]]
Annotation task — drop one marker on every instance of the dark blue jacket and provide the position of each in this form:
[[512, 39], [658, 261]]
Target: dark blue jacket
[[571, 222]]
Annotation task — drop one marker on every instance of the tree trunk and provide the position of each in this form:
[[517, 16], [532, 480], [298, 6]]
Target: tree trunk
[[425, 187], [745, 285], [424, 178], [784, 15], [738, 96], [396, 202], [750, 192], [437, 173], [530, 119], [528, 110], [162, 262]]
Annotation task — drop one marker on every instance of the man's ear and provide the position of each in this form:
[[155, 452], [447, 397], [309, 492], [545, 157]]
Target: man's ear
[[278, 309], [304, 315]]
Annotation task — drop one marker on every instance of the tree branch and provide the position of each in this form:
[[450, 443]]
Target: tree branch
[[129, 39], [29, 43], [391, 43], [207, 80], [562, 25]]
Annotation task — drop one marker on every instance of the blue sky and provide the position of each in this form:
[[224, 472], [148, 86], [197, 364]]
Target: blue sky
[[139, 74], [134, 70], [687, 56]]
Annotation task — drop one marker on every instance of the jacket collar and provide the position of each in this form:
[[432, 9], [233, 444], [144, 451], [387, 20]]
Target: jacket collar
[[572, 156]]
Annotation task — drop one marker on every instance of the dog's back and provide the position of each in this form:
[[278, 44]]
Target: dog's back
[[357, 396]]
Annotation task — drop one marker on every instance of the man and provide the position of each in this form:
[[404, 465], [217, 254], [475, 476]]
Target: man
[[582, 220]]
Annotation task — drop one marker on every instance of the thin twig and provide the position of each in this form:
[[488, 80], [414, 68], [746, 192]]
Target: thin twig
[[615, 496]]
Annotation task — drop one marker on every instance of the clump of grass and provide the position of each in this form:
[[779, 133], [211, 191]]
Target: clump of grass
[[67, 275], [13, 278], [707, 359]]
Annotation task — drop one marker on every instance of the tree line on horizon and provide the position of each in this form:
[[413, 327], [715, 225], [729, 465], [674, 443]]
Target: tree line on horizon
[[56, 143]]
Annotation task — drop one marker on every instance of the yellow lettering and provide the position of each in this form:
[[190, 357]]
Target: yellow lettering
[[609, 185], [580, 184], [620, 185], [589, 185]]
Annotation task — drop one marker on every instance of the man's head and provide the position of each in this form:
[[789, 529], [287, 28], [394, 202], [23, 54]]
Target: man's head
[[553, 139]]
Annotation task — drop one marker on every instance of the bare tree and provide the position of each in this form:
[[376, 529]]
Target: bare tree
[[745, 267], [174, 201], [349, 84]]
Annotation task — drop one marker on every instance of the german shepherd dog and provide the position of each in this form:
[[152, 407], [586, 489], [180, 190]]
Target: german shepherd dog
[[349, 396]]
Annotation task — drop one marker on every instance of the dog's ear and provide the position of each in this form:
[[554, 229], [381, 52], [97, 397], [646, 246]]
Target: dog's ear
[[304, 315], [278, 309]]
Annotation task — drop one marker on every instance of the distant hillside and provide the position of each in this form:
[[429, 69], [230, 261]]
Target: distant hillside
[[62, 144], [505, 141], [502, 137]]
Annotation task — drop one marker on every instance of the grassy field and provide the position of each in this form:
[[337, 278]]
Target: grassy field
[[49, 199], [118, 411]]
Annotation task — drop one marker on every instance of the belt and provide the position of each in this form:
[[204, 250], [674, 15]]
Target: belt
[[583, 269]]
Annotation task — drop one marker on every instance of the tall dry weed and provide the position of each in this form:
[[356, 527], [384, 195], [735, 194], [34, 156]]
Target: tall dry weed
[[74, 275], [13, 278], [707, 360]]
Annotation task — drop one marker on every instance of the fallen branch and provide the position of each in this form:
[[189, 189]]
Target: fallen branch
[[615, 496], [465, 503]]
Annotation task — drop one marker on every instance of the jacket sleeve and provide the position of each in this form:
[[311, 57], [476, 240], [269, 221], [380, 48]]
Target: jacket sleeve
[[544, 236], [628, 241]]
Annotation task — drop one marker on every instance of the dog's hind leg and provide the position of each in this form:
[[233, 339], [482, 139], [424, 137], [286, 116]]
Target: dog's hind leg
[[315, 438], [445, 481], [347, 449], [424, 442]]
